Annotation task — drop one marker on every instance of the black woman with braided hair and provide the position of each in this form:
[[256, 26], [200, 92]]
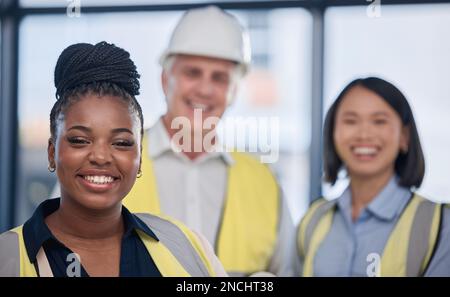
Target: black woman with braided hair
[[96, 128]]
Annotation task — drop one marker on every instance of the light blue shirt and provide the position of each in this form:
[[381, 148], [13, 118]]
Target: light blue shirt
[[345, 249]]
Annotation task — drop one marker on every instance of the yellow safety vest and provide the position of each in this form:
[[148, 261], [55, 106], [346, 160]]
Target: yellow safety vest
[[408, 250], [165, 260], [248, 230]]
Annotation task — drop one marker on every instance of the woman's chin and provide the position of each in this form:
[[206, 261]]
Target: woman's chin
[[368, 172], [99, 202]]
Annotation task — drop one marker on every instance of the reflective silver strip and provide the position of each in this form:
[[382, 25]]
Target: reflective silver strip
[[178, 244], [9, 254], [237, 274], [314, 221], [419, 238], [43, 265]]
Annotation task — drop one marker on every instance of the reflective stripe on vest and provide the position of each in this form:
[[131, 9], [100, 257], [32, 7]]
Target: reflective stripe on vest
[[177, 253], [408, 249], [248, 230]]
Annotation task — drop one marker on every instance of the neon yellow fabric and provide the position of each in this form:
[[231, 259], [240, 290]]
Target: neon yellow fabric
[[394, 259], [166, 262], [322, 230], [143, 197], [26, 267], [250, 220], [195, 243], [305, 222], [248, 230]]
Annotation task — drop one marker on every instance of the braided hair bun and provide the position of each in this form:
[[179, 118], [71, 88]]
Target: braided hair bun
[[84, 63], [102, 69]]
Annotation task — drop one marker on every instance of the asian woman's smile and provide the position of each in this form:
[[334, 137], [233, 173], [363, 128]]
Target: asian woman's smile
[[369, 134]]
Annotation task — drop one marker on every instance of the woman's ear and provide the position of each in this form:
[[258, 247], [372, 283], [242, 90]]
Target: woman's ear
[[51, 153], [404, 139]]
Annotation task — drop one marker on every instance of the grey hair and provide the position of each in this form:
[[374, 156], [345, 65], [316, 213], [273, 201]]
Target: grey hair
[[168, 63]]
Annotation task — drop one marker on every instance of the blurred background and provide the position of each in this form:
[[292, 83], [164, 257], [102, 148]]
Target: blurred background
[[303, 52]]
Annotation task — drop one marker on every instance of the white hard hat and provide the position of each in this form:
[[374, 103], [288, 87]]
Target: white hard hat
[[210, 32]]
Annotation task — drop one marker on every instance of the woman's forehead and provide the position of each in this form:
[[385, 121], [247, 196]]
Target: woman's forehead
[[94, 110], [360, 100]]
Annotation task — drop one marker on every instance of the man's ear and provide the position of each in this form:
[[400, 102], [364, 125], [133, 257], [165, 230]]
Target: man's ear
[[164, 82], [51, 153]]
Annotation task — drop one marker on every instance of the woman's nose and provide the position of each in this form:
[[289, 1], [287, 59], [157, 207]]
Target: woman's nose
[[100, 154]]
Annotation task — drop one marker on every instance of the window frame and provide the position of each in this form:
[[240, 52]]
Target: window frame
[[11, 15]]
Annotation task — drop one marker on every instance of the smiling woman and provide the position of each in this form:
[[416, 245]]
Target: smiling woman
[[379, 226], [98, 151], [95, 148]]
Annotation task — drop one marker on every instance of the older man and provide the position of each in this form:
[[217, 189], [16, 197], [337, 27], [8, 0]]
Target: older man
[[231, 198]]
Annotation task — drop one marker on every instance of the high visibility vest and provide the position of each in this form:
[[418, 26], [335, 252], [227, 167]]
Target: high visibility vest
[[248, 228], [408, 250], [177, 253]]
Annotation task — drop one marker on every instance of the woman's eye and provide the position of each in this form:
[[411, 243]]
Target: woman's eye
[[380, 122], [124, 143], [77, 140], [349, 121]]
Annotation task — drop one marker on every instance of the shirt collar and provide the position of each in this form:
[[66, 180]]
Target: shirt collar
[[159, 142], [389, 203], [386, 205], [36, 232], [132, 222]]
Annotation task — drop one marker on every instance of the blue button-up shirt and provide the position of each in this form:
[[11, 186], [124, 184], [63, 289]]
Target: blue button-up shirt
[[134, 258], [345, 249]]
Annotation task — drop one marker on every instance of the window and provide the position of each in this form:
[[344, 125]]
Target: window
[[278, 85], [409, 46]]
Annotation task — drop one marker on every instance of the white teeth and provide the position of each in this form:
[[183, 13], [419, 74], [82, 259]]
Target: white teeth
[[99, 179], [365, 150]]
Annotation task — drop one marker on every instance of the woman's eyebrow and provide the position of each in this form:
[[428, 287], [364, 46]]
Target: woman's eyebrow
[[380, 113], [114, 131], [79, 127], [120, 130], [350, 113]]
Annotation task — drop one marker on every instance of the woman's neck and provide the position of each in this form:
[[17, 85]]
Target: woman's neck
[[72, 219], [365, 189]]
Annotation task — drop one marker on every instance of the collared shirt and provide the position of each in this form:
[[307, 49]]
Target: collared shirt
[[346, 248], [193, 191], [134, 257]]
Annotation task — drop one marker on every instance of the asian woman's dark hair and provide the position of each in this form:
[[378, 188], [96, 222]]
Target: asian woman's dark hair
[[409, 166], [102, 69]]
